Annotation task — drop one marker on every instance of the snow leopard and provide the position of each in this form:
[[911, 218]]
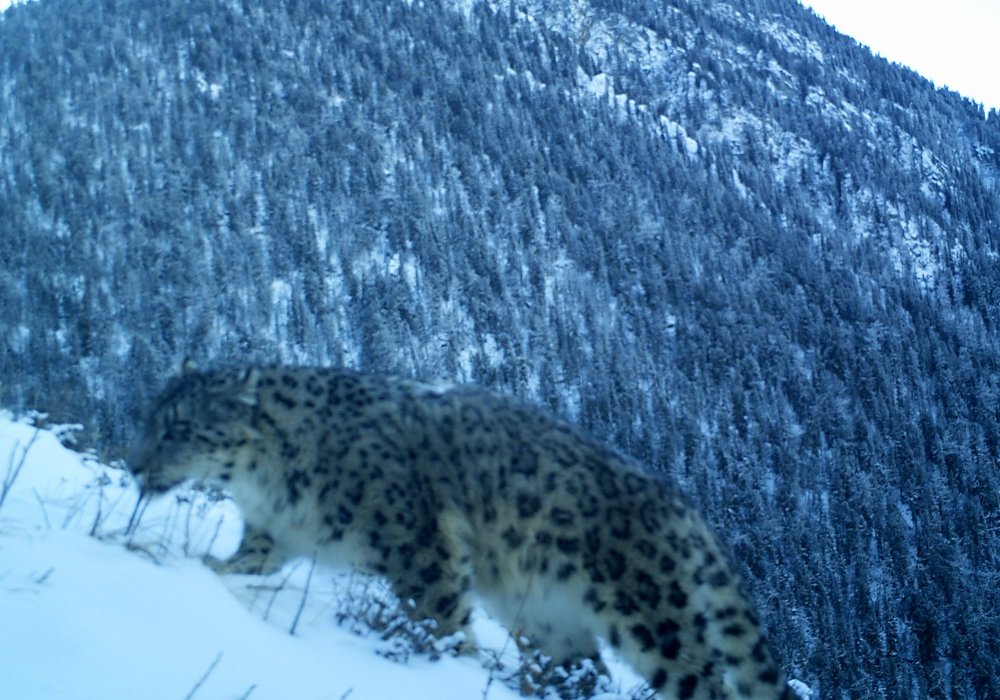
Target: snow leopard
[[459, 497]]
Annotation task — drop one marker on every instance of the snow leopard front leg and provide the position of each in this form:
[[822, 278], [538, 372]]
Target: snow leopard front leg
[[257, 555], [432, 581]]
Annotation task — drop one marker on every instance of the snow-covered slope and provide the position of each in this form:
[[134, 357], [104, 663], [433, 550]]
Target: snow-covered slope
[[88, 613]]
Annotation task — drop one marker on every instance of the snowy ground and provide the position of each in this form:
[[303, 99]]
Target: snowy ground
[[87, 612]]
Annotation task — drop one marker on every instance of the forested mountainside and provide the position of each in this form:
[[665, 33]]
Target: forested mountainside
[[717, 234]]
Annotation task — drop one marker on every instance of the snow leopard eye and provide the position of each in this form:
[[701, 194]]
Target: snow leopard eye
[[173, 424]]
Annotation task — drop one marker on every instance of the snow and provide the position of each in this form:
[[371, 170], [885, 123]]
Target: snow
[[801, 689], [92, 613], [4, 4], [676, 130], [600, 85], [793, 42]]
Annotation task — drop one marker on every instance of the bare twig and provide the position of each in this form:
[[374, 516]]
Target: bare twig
[[98, 517], [113, 507], [494, 667], [145, 550], [41, 504], [305, 594], [187, 528], [137, 513], [215, 534], [75, 510], [13, 469], [204, 677], [279, 588]]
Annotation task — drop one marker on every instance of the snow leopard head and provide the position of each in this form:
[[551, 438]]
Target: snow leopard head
[[196, 427]]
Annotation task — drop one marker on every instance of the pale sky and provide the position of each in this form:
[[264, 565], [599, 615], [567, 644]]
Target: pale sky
[[953, 42]]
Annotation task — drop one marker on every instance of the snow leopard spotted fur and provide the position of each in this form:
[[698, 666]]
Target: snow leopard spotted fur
[[458, 496]]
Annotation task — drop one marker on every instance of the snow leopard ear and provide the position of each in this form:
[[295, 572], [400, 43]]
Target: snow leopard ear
[[246, 388], [188, 366]]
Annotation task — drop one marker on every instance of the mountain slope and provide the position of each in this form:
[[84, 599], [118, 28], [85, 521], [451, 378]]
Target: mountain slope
[[717, 234]]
